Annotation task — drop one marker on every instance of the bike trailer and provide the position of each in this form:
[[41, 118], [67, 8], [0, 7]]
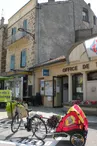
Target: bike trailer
[[75, 124]]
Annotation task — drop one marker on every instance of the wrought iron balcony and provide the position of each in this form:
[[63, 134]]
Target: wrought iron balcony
[[14, 38]]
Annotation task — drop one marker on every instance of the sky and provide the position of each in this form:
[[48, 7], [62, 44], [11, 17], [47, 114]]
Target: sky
[[10, 7]]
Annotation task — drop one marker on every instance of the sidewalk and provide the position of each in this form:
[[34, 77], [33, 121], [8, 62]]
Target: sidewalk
[[3, 114], [47, 112]]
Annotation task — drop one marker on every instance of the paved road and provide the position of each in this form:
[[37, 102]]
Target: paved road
[[24, 137]]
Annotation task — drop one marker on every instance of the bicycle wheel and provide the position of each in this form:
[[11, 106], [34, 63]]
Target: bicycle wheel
[[39, 128], [16, 122]]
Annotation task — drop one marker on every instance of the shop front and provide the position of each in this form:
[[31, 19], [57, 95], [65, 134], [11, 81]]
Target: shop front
[[64, 83], [19, 84]]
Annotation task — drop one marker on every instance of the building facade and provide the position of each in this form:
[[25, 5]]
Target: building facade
[[59, 82], [21, 50], [61, 25], [3, 37]]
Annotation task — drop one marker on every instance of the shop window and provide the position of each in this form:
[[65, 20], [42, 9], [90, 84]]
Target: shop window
[[77, 82], [92, 76], [1, 85], [23, 59], [85, 15], [12, 62]]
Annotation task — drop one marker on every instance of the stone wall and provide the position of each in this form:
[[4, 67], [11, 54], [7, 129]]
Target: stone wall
[[3, 37], [27, 42], [56, 26]]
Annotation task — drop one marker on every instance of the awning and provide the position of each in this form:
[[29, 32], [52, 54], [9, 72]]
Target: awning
[[5, 78], [17, 73]]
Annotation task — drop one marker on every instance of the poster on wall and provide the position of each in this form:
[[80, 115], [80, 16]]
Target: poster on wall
[[48, 88]]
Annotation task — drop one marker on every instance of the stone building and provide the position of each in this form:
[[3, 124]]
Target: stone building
[[62, 25], [21, 49], [59, 82], [3, 37]]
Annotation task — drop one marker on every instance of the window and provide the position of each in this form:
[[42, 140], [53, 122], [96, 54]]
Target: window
[[77, 86], [14, 31], [85, 15], [94, 20], [23, 59], [12, 62], [92, 76]]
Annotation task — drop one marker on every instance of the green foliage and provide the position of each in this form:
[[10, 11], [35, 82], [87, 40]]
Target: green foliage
[[58, 116]]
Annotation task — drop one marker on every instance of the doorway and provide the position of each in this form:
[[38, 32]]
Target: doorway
[[60, 90], [65, 89], [57, 91]]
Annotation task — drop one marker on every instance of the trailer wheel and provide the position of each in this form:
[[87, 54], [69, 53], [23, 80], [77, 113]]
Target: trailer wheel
[[77, 139]]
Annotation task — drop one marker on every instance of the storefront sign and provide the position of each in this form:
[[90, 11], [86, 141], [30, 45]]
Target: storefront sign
[[45, 72], [74, 68], [5, 93], [85, 66]]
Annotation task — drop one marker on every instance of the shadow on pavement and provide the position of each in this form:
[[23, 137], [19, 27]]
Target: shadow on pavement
[[32, 141], [93, 126], [63, 143], [26, 140], [9, 136]]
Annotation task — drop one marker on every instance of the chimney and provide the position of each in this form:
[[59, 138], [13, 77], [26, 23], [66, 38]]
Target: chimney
[[89, 5], [51, 0], [2, 20]]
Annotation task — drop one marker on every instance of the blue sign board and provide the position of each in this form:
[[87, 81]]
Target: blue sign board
[[45, 72]]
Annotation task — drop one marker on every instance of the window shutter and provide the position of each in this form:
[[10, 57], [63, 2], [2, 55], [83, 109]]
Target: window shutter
[[23, 58], [14, 31], [25, 24], [12, 62], [13, 34]]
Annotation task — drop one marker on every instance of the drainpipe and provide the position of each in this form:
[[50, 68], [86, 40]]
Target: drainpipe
[[33, 83], [67, 57], [38, 31]]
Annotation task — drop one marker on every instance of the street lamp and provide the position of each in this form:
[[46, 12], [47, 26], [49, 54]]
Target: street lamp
[[24, 30]]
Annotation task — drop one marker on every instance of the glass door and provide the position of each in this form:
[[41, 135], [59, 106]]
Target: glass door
[[57, 91], [77, 86]]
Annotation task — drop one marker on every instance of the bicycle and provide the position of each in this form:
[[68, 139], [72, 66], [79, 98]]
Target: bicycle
[[34, 123]]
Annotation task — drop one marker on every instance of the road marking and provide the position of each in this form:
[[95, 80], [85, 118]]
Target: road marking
[[26, 142]]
